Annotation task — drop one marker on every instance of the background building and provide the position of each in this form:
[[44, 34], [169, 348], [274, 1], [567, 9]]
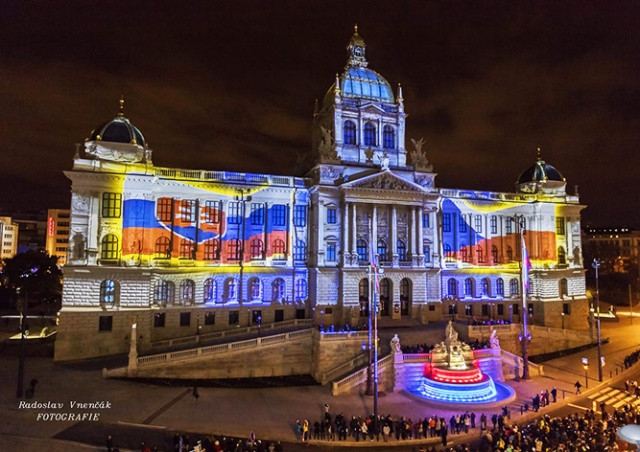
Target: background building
[[57, 242], [182, 251], [8, 238]]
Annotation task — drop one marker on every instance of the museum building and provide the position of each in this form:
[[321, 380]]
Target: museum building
[[184, 252]]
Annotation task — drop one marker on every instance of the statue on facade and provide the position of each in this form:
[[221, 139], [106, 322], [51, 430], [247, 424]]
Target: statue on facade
[[418, 159], [451, 333], [369, 153], [395, 344], [384, 162], [326, 147], [493, 340]]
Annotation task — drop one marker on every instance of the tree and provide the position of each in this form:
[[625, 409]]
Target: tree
[[35, 272]]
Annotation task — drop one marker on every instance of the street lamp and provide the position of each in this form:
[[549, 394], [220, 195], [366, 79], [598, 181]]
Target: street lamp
[[596, 265], [525, 336], [562, 320], [585, 366]]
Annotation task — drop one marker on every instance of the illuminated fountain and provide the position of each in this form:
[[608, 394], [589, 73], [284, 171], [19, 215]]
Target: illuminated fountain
[[453, 373]]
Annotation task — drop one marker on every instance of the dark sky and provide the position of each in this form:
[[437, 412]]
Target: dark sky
[[231, 85]]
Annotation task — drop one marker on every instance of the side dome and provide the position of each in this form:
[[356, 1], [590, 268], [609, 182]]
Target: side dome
[[541, 178], [118, 130]]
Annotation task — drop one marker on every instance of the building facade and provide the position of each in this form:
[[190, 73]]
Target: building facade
[[57, 241], [8, 238], [190, 251]]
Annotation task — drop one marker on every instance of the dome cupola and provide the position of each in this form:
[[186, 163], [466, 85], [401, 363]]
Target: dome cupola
[[541, 177]]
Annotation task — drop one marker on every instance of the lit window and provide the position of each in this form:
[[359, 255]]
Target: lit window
[[187, 289], [388, 137], [235, 214], [257, 214], [111, 205], [229, 289], [462, 224], [494, 253], [446, 222], [187, 211], [478, 223], [370, 134], [255, 289], [212, 211], [301, 290], [426, 250], [278, 249], [361, 249], [187, 249], [494, 224], [209, 293], [256, 248], [163, 293], [500, 287], [212, 250], [426, 221], [163, 209], [560, 230], [486, 287], [479, 254], [233, 250], [468, 287], [382, 250], [108, 292], [300, 216], [331, 252], [279, 215], [514, 287], [300, 251], [278, 288], [332, 216], [110, 249], [562, 256], [162, 247], [452, 287], [349, 132]]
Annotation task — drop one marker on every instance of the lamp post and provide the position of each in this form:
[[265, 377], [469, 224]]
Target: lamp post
[[524, 337], [585, 366], [242, 198], [596, 265], [562, 320], [23, 333]]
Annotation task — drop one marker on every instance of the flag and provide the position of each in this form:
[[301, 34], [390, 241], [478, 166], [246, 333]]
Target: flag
[[526, 263], [374, 269]]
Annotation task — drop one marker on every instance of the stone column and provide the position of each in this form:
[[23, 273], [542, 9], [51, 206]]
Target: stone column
[[354, 228], [374, 229], [321, 219], [394, 236], [345, 235], [413, 232], [132, 367]]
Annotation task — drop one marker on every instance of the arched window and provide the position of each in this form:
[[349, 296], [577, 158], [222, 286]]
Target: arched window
[[486, 287], [564, 287], [162, 247], [448, 255], [500, 287], [370, 135], [108, 292], [452, 287], [278, 249], [514, 287], [361, 249], [209, 293], [255, 289], [494, 253], [388, 137], [300, 251], [385, 295], [562, 256], [349, 132], [257, 249], [464, 254], [382, 250], [163, 293], [186, 249], [212, 250], [278, 289], [468, 288], [302, 290], [509, 254], [110, 247], [479, 254], [402, 251], [187, 289], [230, 289], [233, 250]]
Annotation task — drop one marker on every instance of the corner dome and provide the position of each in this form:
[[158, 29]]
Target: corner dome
[[118, 130], [540, 172]]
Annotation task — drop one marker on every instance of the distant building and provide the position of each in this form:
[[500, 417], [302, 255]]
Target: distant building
[[32, 228], [617, 247], [8, 238], [58, 233]]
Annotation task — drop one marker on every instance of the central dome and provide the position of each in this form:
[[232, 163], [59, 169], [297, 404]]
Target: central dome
[[362, 82]]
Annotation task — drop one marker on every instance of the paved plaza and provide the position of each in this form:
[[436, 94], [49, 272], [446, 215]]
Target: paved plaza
[[269, 412]]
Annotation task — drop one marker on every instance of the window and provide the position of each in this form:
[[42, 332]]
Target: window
[[105, 323], [361, 249], [500, 287], [300, 314], [331, 252], [235, 215], [233, 250], [279, 289], [332, 215], [230, 289], [108, 292], [485, 310], [509, 253], [255, 289], [479, 223], [426, 220], [212, 250], [530, 308], [370, 135], [349, 132], [452, 287], [514, 287], [300, 251], [111, 205], [468, 287], [494, 254], [257, 214], [426, 250], [479, 254], [279, 215], [185, 318], [187, 249], [363, 296], [164, 208], [209, 292], [566, 308], [256, 317], [301, 290], [462, 224], [209, 318], [300, 216], [159, 319], [212, 211], [516, 308], [163, 292], [187, 289], [110, 247], [382, 250], [494, 224], [279, 315], [256, 248], [388, 137], [234, 317], [278, 249], [464, 254], [509, 225], [562, 256], [560, 229], [162, 247], [563, 287], [448, 255], [187, 211], [446, 222], [402, 251], [500, 309], [486, 287]]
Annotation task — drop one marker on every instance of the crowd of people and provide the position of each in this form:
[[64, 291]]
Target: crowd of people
[[631, 359], [426, 348], [209, 443]]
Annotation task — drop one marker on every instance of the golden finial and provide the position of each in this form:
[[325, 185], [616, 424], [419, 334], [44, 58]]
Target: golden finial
[[355, 28], [121, 104], [539, 154]]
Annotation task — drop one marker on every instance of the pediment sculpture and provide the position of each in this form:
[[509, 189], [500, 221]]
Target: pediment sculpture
[[326, 148], [385, 182]]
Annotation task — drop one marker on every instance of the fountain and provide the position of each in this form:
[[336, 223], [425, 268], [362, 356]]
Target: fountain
[[453, 374]]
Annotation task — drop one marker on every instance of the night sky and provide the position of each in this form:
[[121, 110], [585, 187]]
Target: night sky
[[231, 85]]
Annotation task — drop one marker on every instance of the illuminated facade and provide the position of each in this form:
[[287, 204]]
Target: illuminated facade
[[8, 238], [57, 242], [190, 251]]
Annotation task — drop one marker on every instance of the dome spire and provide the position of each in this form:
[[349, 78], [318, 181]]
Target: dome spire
[[539, 154], [356, 50], [121, 105]]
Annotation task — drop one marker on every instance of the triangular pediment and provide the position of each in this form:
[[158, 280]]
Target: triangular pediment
[[372, 108], [384, 180]]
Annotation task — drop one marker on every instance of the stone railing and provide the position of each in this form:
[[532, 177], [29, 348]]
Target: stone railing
[[339, 335], [228, 176], [343, 368], [359, 377], [516, 363], [202, 338], [163, 358]]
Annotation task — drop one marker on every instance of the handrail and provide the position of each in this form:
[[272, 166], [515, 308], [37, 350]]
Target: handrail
[[360, 375], [344, 368]]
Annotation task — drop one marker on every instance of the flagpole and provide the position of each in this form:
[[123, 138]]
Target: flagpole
[[369, 390], [524, 338]]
